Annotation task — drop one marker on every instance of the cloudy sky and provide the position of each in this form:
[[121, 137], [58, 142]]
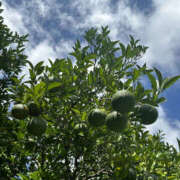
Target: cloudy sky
[[54, 25]]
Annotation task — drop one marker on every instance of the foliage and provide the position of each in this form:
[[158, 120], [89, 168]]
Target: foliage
[[67, 91], [12, 59]]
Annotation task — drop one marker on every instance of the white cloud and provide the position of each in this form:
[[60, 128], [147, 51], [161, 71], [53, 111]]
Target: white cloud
[[122, 21], [13, 19], [163, 123], [43, 7], [42, 51], [45, 50], [162, 35], [64, 47]]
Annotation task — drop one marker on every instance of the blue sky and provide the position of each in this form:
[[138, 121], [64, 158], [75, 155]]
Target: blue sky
[[54, 25]]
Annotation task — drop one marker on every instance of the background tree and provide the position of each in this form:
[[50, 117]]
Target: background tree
[[12, 59], [60, 98]]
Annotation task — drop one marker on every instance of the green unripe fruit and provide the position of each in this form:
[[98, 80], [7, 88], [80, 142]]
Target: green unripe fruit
[[20, 111], [37, 126], [97, 117], [34, 109], [123, 101], [116, 121], [146, 113]]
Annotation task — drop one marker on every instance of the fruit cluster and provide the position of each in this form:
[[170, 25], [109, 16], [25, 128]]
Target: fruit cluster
[[37, 125], [122, 103]]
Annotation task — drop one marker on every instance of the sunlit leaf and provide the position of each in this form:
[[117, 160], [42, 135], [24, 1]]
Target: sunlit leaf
[[159, 75], [161, 100], [123, 49], [169, 82], [153, 81], [53, 85]]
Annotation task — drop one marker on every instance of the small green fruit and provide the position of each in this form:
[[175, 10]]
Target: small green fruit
[[37, 126], [116, 121], [34, 109], [146, 113], [123, 101], [97, 117], [20, 111]]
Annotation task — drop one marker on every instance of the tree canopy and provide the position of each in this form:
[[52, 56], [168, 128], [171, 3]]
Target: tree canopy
[[48, 132], [12, 59]]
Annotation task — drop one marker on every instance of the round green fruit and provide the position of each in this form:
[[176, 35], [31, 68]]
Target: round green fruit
[[146, 113], [20, 111], [34, 109], [97, 117], [116, 121], [37, 126], [123, 101]]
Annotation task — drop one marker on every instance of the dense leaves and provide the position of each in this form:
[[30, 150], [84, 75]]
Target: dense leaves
[[12, 59], [60, 143]]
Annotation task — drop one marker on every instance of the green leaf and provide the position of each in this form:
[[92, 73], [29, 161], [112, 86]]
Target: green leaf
[[35, 175], [123, 49], [53, 85], [128, 52], [39, 68], [30, 64], [161, 100], [90, 56], [127, 83], [32, 75], [139, 90], [76, 111], [169, 82], [51, 63], [136, 74], [118, 63], [178, 143], [153, 81], [90, 78], [39, 89], [159, 75], [131, 40], [171, 177], [84, 116], [23, 177]]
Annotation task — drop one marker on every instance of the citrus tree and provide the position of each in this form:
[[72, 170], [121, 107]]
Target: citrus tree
[[82, 117]]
